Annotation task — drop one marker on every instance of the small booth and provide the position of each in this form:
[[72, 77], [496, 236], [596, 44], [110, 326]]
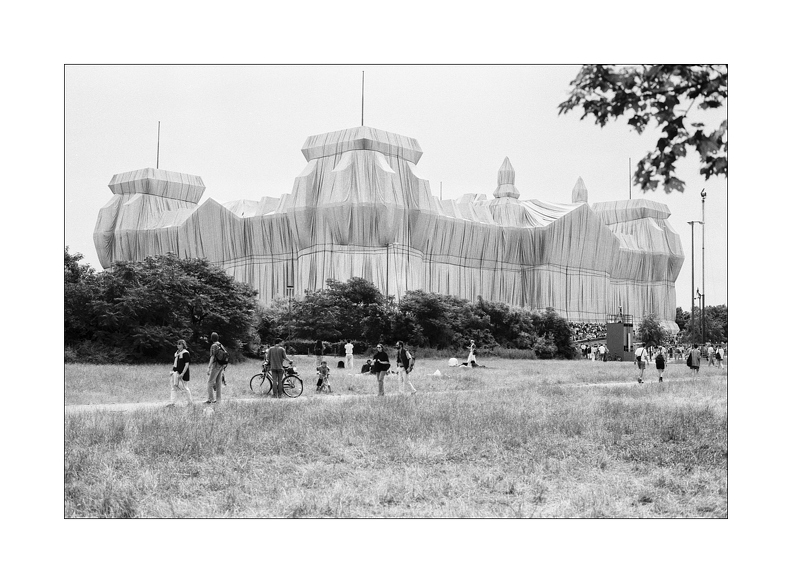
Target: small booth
[[620, 336]]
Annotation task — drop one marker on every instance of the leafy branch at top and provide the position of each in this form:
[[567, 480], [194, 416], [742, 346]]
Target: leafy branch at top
[[665, 94]]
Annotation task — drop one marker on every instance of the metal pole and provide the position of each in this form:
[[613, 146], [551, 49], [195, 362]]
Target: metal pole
[[362, 97], [703, 280], [691, 325], [692, 276]]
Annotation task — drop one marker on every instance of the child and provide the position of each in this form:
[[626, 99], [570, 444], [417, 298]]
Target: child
[[322, 382]]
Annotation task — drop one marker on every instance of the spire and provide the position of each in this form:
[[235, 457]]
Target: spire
[[506, 181], [580, 193]]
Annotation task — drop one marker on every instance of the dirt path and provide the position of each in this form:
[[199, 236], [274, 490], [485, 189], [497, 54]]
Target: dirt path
[[126, 407]]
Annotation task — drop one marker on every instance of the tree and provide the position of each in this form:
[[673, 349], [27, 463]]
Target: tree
[[651, 332], [552, 329], [665, 94], [682, 318], [143, 307], [80, 288]]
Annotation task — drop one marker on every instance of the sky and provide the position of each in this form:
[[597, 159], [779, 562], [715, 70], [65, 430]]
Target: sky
[[241, 129]]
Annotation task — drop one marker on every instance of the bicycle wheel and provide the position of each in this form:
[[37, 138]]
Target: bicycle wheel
[[293, 386], [260, 384]]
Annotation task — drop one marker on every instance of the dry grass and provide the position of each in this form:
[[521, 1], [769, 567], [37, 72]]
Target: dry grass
[[519, 438]]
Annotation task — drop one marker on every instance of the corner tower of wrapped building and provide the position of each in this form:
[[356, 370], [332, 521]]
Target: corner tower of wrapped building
[[360, 209]]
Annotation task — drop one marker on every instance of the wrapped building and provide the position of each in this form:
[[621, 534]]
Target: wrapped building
[[360, 209]]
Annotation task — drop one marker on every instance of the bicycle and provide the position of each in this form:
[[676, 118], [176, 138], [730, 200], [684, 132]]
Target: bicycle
[[323, 386], [261, 383]]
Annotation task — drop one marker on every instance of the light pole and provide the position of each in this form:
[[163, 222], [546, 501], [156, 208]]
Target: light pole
[[692, 273], [703, 319], [701, 306]]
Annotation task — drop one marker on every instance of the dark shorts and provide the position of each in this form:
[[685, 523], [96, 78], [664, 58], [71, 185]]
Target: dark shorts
[[695, 367], [641, 364]]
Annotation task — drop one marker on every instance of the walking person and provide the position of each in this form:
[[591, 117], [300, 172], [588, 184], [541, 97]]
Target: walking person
[[380, 368], [319, 352], [218, 359], [641, 358], [180, 373], [404, 366], [660, 359], [349, 348], [695, 359], [276, 355], [719, 356], [711, 354]]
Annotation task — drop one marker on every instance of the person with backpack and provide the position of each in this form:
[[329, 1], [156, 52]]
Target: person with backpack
[[641, 358], [660, 359], [404, 365], [218, 359]]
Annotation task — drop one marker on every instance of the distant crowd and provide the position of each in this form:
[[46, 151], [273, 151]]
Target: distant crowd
[[587, 331]]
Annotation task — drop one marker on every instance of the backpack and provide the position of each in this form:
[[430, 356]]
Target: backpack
[[690, 359], [221, 356]]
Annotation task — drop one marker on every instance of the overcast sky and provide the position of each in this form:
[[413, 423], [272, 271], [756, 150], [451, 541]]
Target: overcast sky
[[241, 129]]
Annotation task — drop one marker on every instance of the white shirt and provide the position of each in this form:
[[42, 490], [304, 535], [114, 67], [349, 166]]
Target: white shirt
[[349, 347]]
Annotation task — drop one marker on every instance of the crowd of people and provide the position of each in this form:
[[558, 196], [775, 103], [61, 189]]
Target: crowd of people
[[693, 356], [379, 364], [587, 331]]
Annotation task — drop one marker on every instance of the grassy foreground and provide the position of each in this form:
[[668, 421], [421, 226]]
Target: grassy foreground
[[516, 439]]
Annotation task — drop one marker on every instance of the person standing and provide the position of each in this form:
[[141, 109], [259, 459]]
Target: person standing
[[350, 355], [660, 359], [471, 359], [641, 358], [719, 356], [695, 359], [218, 359], [602, 350], [404, 366], [380, 368], [276, 355], [711, 354], [180, 373]]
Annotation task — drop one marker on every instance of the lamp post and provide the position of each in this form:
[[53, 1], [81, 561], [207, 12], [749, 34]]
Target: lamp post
[[703, 280], [701, 306], [691, 324]]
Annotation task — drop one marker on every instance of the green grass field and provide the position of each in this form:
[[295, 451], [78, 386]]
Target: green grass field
[[515, 439]]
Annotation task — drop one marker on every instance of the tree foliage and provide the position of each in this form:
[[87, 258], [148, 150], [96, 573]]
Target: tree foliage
[[357, 310], [651, 332], [664, 94], [144, 307]]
